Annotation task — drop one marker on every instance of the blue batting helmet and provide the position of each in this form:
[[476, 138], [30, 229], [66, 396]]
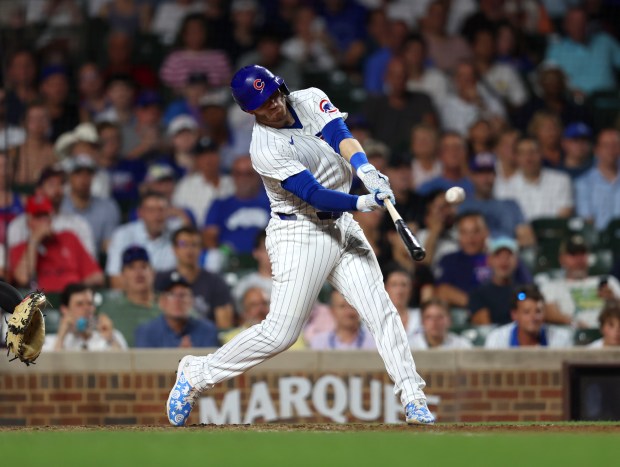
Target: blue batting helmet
[[253, 85]]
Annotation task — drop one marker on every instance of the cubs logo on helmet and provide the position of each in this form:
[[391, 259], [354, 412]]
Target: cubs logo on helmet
[[327, 107], [252, 85]]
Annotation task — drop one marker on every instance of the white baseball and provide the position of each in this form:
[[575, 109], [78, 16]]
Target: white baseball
[[455, 195]]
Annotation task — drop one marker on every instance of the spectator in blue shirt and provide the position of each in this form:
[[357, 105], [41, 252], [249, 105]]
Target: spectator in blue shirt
[[598, 190], [589, 61], [236, 221], [175, 327]]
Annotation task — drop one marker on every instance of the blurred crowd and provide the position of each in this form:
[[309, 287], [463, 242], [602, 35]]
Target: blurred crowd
[[127, 193]]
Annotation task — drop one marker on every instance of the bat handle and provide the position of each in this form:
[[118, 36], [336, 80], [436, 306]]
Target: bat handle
[[392, 210]]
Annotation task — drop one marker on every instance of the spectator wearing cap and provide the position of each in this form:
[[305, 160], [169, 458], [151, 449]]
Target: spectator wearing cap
[[502, 216], [183, 132], [84, 139], [434, 332], [54, 90], [150, 231], [175, 327], [189, 103], [194, 55], [79, 328], [453, 159], [597, 192], [539, 191], [576, 297], [135, 303], [102, 214], [197, 191], [577, 149], [459, 273], [236, 221], [212, 298], [51, 186], [36, 152], [50, 260], [490, 302], [609, 325], [148, 128], [121, 92], [528, 328]]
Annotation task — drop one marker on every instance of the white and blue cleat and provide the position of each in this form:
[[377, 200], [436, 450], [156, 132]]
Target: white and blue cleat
[[182, 397], [417, 413]]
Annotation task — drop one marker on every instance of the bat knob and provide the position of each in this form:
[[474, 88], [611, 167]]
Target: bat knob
[[419, 255]]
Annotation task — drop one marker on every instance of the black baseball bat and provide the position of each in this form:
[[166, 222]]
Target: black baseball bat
[[416, 250]]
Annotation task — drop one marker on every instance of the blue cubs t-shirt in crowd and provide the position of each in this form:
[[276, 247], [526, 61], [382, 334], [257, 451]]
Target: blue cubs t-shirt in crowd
[[157, 334], [239, 220]]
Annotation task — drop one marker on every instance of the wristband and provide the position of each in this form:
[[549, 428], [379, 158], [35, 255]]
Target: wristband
[[358, 159]]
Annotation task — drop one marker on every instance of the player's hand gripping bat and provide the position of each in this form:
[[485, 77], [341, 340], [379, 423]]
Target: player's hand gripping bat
[[411, 242]]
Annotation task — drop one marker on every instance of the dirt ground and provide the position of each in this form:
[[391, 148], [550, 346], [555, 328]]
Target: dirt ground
[[563, 427]]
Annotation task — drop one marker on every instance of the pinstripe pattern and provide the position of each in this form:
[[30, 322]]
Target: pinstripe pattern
[[306, 253]]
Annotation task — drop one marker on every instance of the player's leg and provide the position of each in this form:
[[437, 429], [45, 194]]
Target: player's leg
[[301, 256], [358, 277]]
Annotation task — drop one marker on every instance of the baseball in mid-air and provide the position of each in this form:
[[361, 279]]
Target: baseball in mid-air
[[455, 195]]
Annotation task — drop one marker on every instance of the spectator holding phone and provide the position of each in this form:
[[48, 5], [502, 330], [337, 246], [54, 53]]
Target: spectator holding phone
[[79, 328]]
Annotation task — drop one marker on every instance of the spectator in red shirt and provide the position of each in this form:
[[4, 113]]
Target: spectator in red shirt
[[51, 260]]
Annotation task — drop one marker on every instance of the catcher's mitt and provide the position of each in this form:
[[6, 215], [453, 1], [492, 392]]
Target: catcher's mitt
[[26, 327]]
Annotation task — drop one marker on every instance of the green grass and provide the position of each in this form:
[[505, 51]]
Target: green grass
[[185, 448]]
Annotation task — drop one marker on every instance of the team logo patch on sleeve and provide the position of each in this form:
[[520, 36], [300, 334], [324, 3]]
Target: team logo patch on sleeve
[[327, 107]]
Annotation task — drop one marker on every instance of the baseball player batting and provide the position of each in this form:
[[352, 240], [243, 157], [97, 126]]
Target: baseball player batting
[[304, 152]]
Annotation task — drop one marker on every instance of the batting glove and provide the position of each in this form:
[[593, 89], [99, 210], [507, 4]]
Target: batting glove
[[374, 181], [367, 203]]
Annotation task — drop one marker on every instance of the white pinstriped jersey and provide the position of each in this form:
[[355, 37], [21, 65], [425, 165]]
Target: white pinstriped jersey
[[278, 153]]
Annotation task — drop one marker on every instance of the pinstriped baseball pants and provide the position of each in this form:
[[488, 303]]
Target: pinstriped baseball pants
[[304, 254]]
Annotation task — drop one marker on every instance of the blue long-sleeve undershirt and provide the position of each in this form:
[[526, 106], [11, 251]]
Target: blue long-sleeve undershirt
[[306, 187]]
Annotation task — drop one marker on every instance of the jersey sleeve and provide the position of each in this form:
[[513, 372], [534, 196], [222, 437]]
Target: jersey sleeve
[[319, 108]]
